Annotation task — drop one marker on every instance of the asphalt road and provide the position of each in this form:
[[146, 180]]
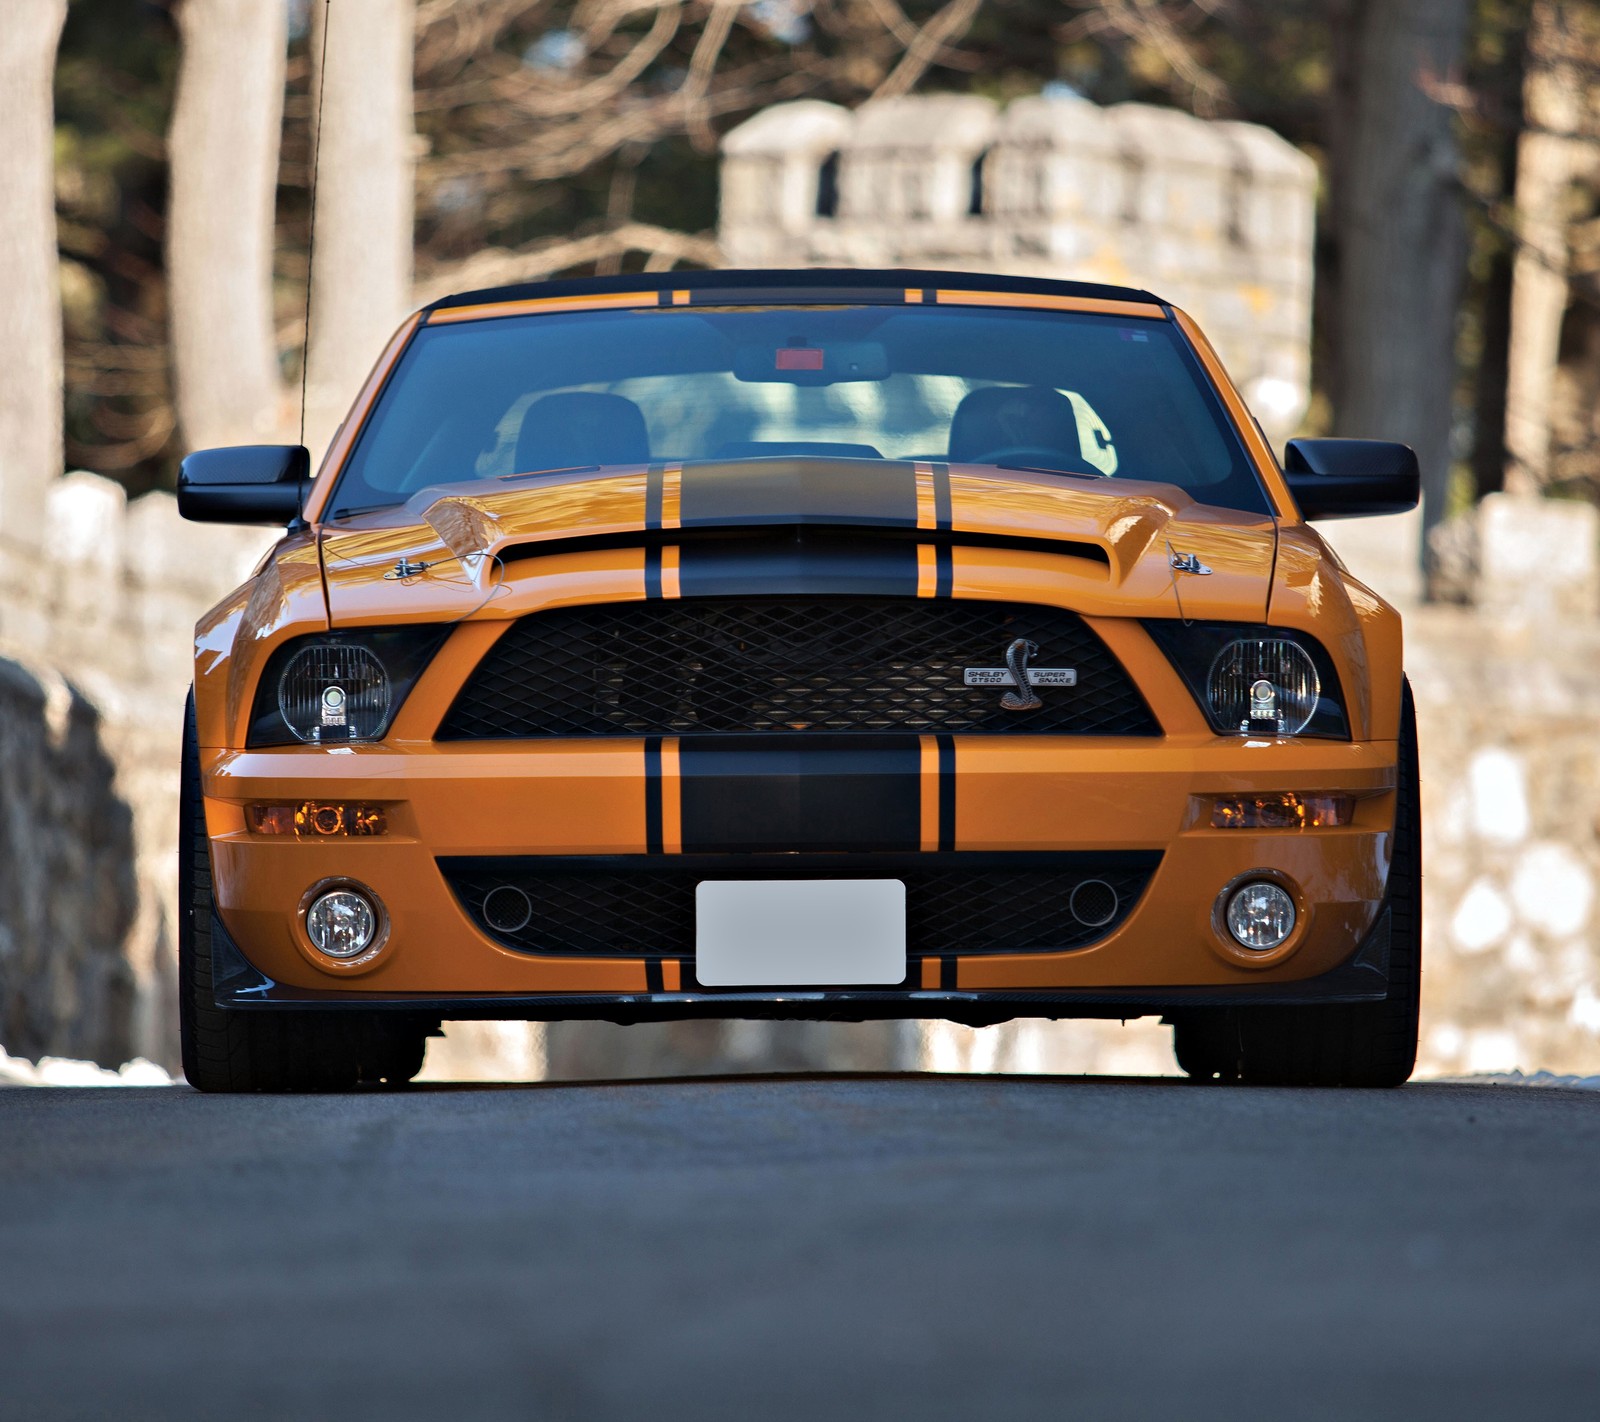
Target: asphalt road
[[845, 1247]]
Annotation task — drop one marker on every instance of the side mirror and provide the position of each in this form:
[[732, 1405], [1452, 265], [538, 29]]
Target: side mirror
[[247, 483], [1351, 478]]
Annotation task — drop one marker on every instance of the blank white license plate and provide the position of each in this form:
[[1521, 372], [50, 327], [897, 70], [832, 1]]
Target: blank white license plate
[[800, 932]]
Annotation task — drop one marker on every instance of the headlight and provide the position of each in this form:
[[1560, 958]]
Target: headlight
[[1261, 681], [337, 687], [333, 691], [1264, 684]]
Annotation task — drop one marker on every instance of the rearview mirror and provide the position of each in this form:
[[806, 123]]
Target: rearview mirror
[[247, 483], [832, 364], [1351, 478]]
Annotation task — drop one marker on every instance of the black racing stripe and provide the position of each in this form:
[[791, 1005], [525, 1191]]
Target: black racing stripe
[[947, 791], [654, 483], [791, 491], [652, 795], [947, 973], [804, 562], [944, 570], [653, 980], [816, 793], [941, 497], [652, 572]]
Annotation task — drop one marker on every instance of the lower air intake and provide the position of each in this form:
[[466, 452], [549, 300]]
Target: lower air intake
[[640, 907]]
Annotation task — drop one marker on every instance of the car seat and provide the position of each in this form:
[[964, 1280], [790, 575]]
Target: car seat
[[578, 428], [1000, 417]]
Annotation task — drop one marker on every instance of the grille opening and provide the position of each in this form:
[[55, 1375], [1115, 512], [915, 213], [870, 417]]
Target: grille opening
[[729, 666]]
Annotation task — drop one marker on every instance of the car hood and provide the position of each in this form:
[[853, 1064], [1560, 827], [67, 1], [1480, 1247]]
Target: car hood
[[442, 553]]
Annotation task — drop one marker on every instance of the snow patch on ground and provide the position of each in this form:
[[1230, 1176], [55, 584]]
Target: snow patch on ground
[[63, 1071], [1521, 1078]]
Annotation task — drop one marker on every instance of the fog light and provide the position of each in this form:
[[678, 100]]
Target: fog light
[[342, 923], [1260, 915]]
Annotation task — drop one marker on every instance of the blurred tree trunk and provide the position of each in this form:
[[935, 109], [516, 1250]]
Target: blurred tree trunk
[[223, 149], [1500, 85], [30, 284], [361, 278], [1395, 194], [1548, 153]]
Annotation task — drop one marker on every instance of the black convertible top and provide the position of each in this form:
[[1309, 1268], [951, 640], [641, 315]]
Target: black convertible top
[[804, 284]]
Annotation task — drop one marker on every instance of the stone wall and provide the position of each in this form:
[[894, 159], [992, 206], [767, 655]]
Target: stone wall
[[66, 876], [1510, 737], [97, 609]]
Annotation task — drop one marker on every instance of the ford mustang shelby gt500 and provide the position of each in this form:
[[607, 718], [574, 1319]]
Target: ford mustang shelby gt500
[[821, 644]]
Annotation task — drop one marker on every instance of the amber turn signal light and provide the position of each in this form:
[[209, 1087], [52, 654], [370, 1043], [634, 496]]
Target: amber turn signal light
[[1282, 811], [317, 819]]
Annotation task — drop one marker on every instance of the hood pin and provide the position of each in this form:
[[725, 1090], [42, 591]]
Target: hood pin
[[405, 568]]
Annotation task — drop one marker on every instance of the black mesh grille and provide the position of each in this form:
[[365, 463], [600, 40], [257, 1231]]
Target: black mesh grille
[[955, 903], [727, 666]]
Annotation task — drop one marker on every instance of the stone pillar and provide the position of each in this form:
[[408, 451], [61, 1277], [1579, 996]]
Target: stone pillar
[[772, 170], [1057, 186], [906, 183]]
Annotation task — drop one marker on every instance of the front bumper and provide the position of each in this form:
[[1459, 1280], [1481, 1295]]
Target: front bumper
[[1364, 977], [1024, 796]]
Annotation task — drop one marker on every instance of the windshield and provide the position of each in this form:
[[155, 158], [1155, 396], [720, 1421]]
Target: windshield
[[1083, 396]]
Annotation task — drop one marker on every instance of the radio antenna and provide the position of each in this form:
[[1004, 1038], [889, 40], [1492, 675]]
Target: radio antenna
[[311, 236]]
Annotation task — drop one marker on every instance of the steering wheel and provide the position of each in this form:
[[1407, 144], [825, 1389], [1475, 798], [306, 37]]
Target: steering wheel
[[1037, 456]]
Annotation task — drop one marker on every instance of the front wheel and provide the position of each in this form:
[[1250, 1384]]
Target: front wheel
[[1342, 1044], [267, 1050]]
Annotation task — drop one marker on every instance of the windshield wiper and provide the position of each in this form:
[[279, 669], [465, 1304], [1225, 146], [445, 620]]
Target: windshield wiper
[[1040, 469], [535, 473]]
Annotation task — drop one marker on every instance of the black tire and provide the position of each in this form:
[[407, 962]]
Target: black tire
[[1346, 1044], [268, 1050]]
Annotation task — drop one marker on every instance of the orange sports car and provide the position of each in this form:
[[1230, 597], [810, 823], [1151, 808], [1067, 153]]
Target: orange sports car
[[799, 644]]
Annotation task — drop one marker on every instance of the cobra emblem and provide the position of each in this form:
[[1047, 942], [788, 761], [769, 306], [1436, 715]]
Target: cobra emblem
[[1022, 699]]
